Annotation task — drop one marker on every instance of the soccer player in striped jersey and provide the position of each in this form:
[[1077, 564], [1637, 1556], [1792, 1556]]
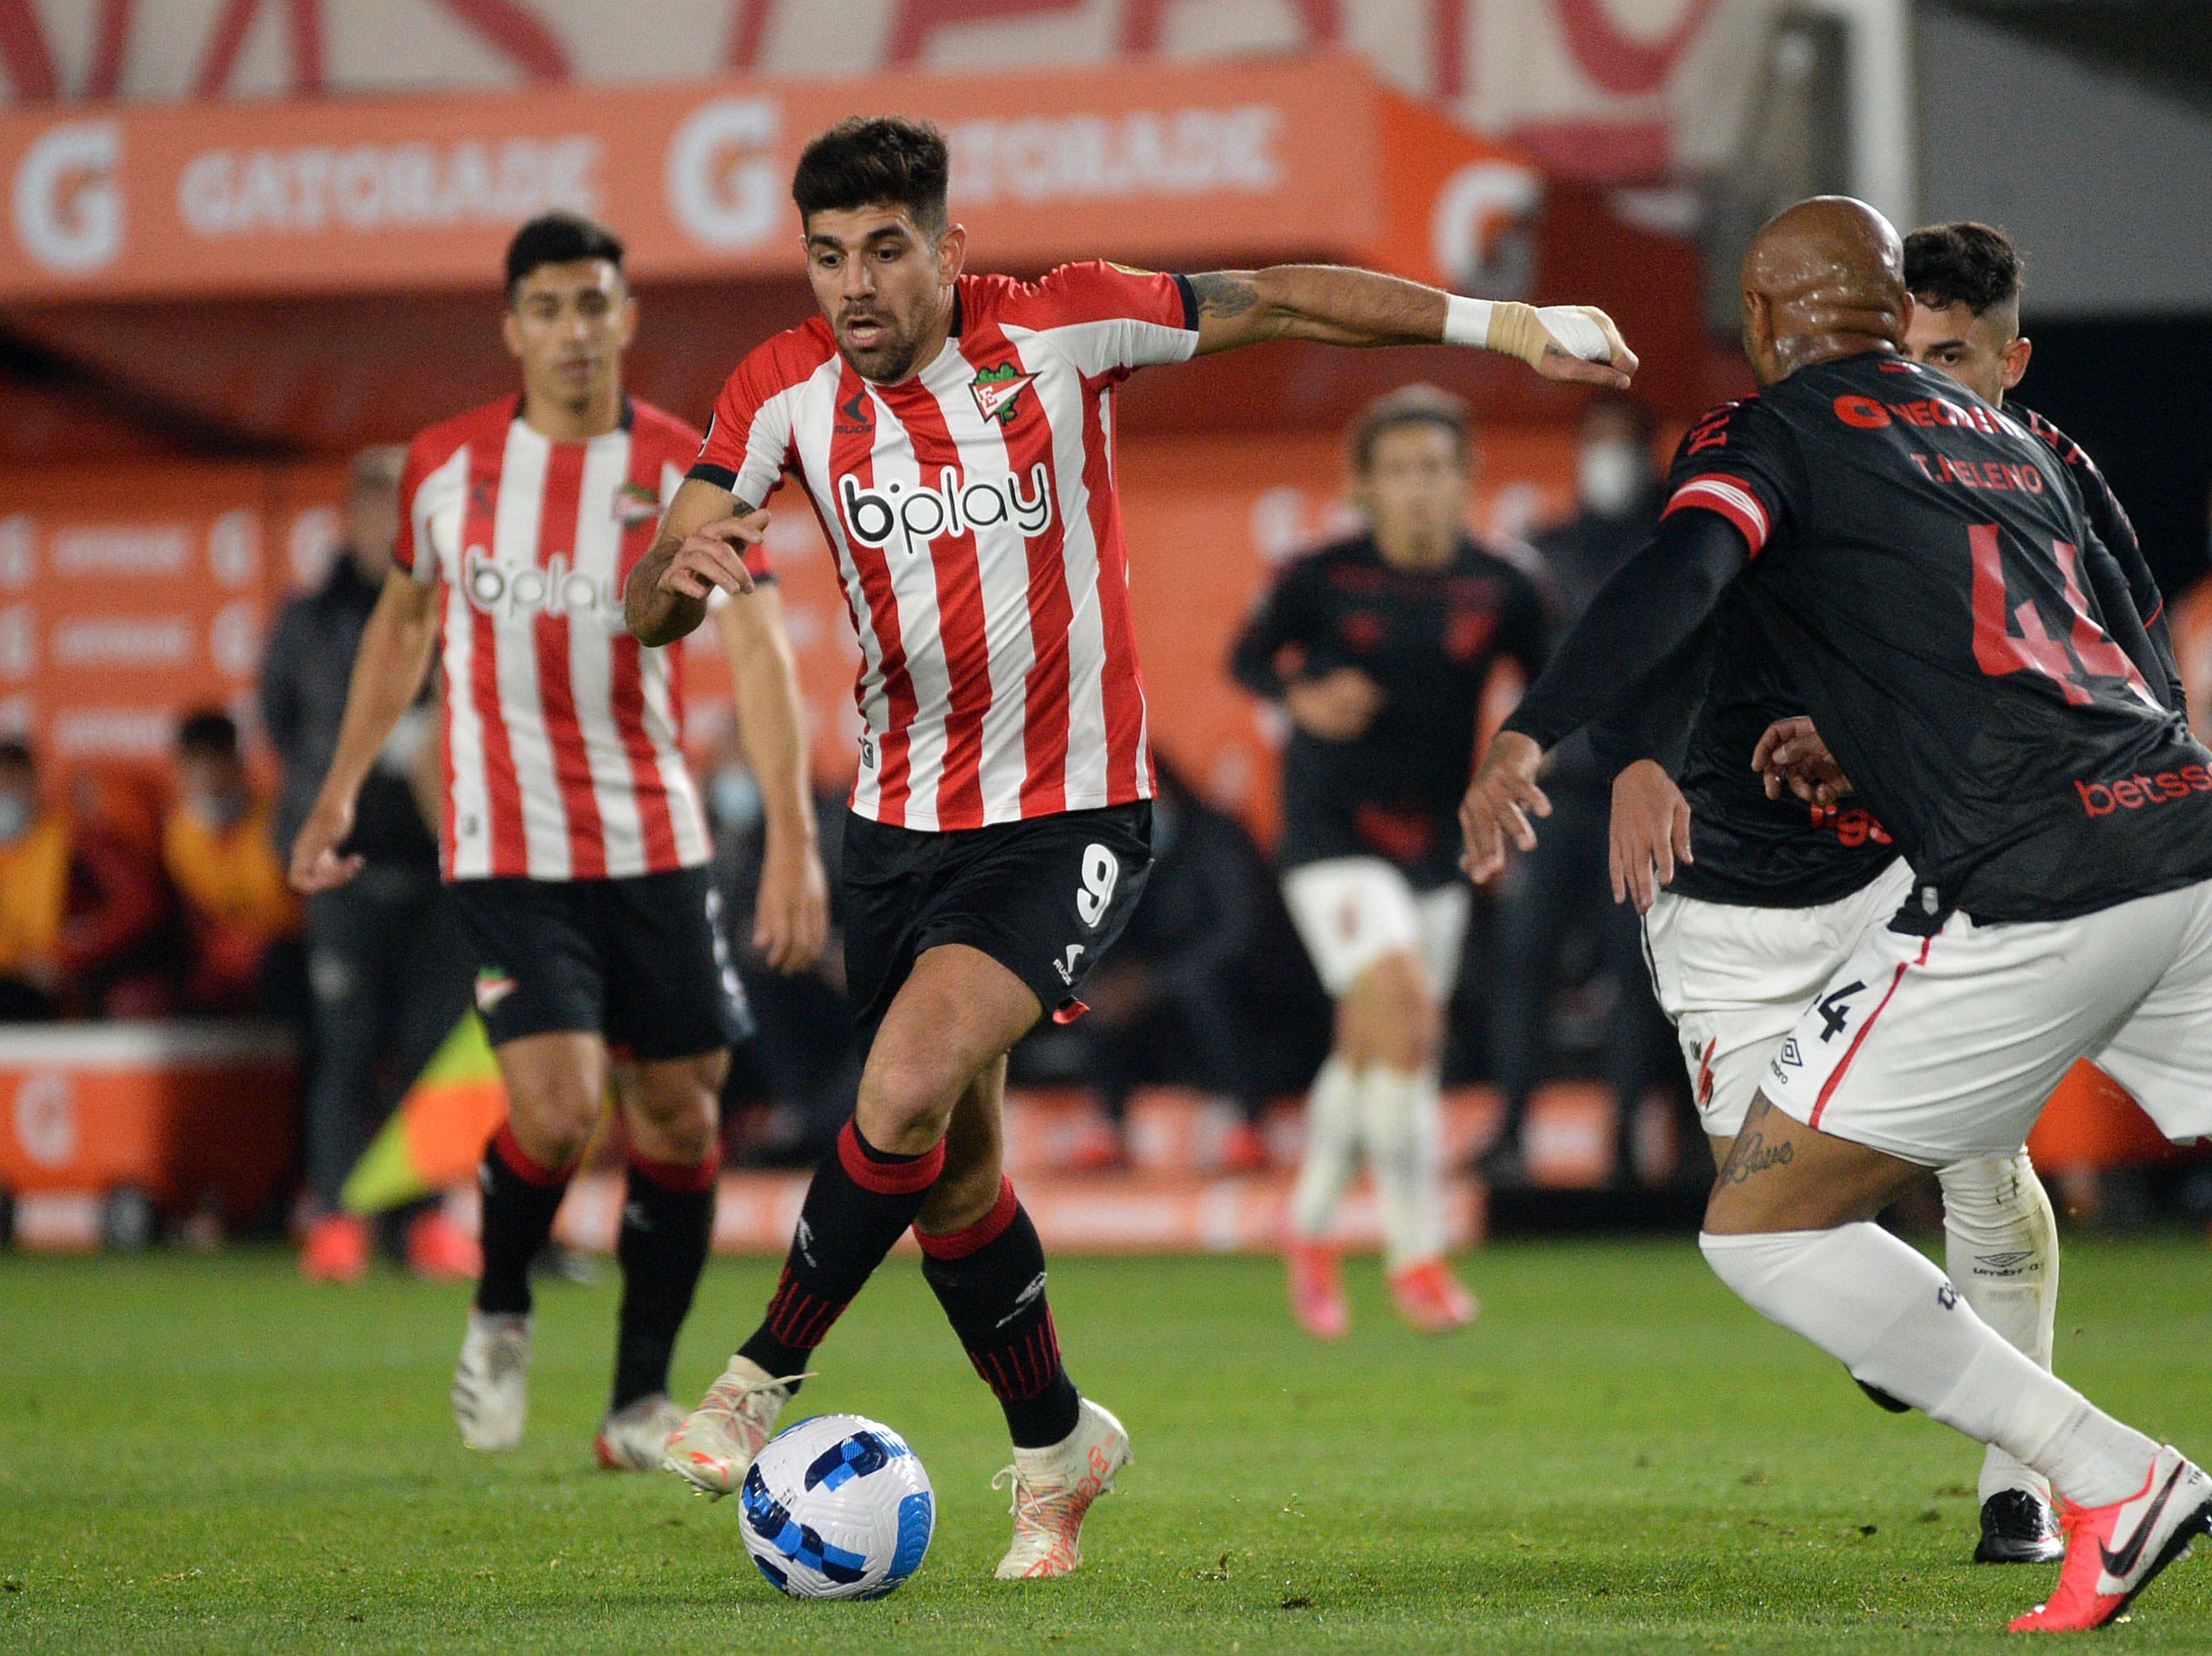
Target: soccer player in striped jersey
[[574, 840], [954, 434]]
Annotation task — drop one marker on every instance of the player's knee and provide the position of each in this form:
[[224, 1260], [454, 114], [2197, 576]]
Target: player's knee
[[675, 1108], [1402, 1014], [555, 1124], [906, 1098]]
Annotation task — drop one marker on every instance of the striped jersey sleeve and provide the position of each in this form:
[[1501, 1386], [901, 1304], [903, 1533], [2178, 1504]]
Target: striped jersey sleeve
[[1107, 319], [751, 440], [1734, 462], [410, 549]]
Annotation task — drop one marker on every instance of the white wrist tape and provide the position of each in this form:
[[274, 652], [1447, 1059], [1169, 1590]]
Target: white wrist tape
[[1577, 332], [1467, 321]]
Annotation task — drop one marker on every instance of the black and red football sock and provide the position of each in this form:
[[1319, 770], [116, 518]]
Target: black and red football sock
[[668, 1220], [520, 1197], [990, 1280], [860, 1202]]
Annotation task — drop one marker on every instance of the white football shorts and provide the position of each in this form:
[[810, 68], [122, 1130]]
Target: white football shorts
[[1937, 1049], [1734, 980], [1353, 910]]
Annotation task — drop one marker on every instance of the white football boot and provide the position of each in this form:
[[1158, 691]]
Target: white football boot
[[491, 1382], [1053, 1488], [633, 1438], [714, 1446]]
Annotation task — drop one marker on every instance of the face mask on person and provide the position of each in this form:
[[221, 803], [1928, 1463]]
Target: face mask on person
[[734, 797], [15, 818], [1610, 477], [216, 812]]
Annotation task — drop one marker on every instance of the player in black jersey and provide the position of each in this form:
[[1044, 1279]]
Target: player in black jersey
[[1379, 647], [1926, 572], [1783, 890]]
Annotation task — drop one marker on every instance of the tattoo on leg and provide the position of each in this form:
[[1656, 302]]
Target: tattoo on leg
[[1224, 293], [1753, 1154]]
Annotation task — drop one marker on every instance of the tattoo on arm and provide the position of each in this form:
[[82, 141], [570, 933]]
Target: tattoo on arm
[[1223, 294]]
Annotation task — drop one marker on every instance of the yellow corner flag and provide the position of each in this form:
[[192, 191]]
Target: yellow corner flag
[[436, 1137]]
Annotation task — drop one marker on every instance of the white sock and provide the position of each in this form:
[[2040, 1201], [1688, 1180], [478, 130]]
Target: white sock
[[1404, 1139], [2001, 1246], [1332, 1153], [1890, 1317]]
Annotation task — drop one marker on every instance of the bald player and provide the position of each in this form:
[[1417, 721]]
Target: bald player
[[1925, 569]]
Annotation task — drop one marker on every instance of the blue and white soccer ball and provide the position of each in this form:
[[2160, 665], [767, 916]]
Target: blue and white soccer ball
[[837, 1508]]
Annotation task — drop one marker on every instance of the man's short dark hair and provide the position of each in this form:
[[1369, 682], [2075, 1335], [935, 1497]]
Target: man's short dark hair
[[209, 733], [1413, 404], [1962, 263], [558, 238], [875, 160]]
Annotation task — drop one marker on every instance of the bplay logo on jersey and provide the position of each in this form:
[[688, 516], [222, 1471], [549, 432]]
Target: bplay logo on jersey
[[496, 588], [919, 515]]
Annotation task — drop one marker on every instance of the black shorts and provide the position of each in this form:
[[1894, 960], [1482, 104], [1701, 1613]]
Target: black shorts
[[1045, 898], [640, 960]]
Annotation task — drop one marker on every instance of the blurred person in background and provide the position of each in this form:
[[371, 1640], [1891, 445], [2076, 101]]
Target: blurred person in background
[[574, 839], [241, 919], [388, 969], [80, 907], [1566, 882], [1166, 1006], [1379, 648]]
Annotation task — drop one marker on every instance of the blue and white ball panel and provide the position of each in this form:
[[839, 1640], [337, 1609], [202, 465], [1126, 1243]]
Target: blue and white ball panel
[[837, 1507]]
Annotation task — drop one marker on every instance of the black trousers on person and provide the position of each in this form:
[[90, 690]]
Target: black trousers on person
[[390, 974]]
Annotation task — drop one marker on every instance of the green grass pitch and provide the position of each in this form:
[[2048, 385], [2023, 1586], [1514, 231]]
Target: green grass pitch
[[208, 1455]]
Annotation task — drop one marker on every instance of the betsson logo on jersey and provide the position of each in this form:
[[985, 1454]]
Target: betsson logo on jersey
[[554, 590], [952, 508]]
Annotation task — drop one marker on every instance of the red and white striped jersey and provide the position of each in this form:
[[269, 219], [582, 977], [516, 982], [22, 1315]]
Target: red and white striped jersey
[[974, 515], [560, 731]]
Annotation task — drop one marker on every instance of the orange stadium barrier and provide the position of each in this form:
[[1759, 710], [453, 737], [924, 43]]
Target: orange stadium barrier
[[1282, 156], [333, 262], [190, 1115]]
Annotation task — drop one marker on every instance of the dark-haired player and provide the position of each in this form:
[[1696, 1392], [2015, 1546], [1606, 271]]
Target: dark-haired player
[[1924, 569], [1966, 280], [1379, 647], [574, 839], [954, 434], [1783, 890]]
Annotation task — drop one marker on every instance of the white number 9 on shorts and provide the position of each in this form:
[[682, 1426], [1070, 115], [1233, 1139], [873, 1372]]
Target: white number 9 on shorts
[[1101, 871]]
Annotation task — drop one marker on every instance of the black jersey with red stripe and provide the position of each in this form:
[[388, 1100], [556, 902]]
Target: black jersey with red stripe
[[1429, 640], [1926, 572], [1704, 720]]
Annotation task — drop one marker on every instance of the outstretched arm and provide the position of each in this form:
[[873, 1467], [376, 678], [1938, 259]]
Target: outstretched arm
[[1337, 305]]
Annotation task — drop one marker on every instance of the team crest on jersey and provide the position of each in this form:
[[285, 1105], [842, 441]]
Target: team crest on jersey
[[996, 390], [493, 986], [635, 503]]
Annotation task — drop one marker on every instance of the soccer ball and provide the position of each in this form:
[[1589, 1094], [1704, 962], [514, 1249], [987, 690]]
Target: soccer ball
[[837, 1508]]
